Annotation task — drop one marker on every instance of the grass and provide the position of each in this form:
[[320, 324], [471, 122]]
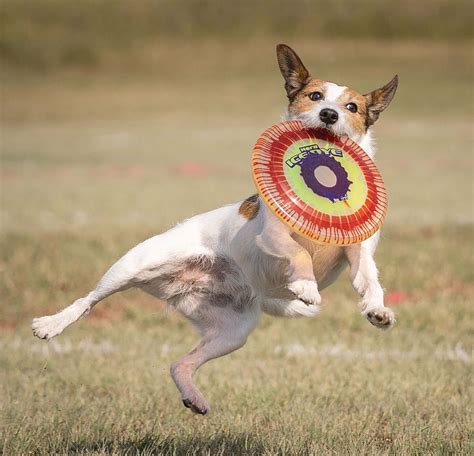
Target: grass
[[94, 161], [329, 385]]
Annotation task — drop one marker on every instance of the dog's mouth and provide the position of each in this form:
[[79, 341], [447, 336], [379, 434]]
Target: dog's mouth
[[336, 128], [312, 119], [326, 126]]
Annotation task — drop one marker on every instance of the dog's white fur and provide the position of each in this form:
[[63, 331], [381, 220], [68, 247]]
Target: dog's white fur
[[221, 270]]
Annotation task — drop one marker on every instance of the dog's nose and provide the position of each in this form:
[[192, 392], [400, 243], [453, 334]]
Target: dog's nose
[[328, 116]]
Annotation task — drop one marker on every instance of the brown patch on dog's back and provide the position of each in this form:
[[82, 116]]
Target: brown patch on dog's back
[[249, 207]]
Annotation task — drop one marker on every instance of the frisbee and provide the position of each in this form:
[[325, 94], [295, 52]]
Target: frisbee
[[323, 186]]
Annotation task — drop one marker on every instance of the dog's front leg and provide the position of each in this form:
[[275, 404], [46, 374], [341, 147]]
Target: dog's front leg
[[275, 240], [364, 277]]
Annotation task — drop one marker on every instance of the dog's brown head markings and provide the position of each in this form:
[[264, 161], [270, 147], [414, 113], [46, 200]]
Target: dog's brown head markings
[[378, 100], [323, 104], [294, 72]]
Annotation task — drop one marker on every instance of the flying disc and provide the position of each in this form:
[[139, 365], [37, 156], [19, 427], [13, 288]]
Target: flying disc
[[323, 186]]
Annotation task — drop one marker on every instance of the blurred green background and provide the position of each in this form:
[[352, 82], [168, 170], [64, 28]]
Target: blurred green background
[[60, 33], [121, 118]]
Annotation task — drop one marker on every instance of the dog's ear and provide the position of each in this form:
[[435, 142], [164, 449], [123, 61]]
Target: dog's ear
[[292, 69], [378, 100]]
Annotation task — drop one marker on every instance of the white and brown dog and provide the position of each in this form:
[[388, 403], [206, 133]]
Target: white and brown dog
[[222, 269]]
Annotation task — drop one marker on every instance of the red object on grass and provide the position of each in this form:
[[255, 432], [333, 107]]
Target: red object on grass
[[191, 168], [396, 297]]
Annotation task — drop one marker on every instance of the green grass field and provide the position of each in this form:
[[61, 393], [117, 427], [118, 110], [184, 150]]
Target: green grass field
[[95, 160]]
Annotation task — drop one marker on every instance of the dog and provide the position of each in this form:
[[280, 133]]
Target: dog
[[223, 268]]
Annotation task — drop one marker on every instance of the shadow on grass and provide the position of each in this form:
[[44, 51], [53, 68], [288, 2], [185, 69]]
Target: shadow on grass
[[151, 444]]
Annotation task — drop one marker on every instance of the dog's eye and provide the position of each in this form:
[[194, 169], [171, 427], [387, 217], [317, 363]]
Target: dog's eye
[[352, 107], [315, 96]]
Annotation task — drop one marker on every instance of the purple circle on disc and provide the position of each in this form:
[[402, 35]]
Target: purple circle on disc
[[337, 192]]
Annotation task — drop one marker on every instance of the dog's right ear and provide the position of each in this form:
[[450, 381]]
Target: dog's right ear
[[292, 68]]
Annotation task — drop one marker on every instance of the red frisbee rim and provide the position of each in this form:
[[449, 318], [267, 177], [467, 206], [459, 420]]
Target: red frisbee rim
[[275, 190]]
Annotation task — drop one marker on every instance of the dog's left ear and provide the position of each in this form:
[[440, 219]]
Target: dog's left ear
[[378, 100], [292, 69]]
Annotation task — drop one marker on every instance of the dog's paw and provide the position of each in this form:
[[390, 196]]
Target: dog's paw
[[198, 405], [382, 318], [47, 327], [306, 291]]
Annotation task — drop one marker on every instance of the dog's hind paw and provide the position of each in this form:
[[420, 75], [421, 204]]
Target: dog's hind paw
[[197, 405], [306, 291], [47, 327], [382, 318]]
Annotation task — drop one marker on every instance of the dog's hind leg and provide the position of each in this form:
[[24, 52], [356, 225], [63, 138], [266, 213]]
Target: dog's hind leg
[[223, 331], [136, 266], [50, 326], [141, 264]]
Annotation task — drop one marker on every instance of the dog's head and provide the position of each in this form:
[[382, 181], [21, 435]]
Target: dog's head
[[322, 104]]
